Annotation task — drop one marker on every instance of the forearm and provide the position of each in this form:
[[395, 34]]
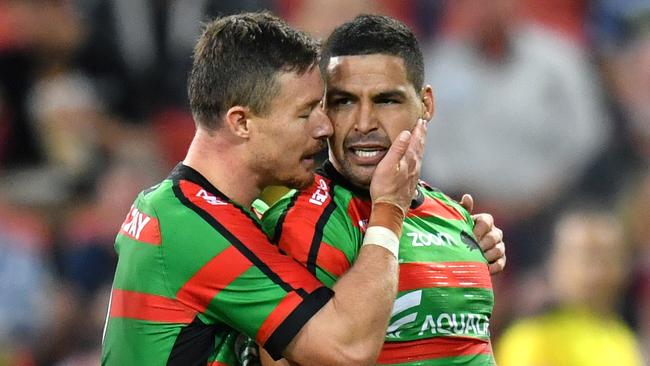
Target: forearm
[[350, 328], [367, 291]]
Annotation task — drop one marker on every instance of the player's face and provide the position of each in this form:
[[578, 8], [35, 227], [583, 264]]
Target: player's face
[[369, 101], [293, 132]]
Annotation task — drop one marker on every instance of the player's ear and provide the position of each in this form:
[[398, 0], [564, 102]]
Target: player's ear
[[428, 102], [237, 121]]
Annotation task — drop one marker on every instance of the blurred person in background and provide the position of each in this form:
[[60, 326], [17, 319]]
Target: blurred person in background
[[85, 254], [37, 41], [586, 272], [27, 282], [56, 117], [534, 93], [636, 218], [621, 31]]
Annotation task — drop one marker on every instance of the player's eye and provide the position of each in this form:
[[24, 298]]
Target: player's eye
[[387, 101], [341, 101]]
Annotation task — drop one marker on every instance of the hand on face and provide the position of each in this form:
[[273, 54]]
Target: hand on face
[[396, 176], [490, 237]]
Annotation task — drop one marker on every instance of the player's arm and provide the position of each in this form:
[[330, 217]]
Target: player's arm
[[490, 237], [350, 328], [267, 360]]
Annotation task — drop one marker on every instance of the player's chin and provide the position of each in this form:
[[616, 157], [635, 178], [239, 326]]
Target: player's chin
[[361, 176], [300, 181]]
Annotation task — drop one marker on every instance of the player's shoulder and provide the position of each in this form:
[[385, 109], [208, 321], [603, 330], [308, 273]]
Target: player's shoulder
[[431, 191], [149, 198], [438, 195], [317, 194], [297, 209]]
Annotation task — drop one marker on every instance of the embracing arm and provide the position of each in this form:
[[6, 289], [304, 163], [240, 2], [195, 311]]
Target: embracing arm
[[490, 237]]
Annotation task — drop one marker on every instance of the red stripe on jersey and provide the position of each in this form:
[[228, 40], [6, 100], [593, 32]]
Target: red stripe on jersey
[[155, 308], [243, 228], [217, 363], [332, 259], [141, 227], [444, 274], [359, 213], [435, 207], [432, 348], [301, 219], [213, 277], [277, 316]]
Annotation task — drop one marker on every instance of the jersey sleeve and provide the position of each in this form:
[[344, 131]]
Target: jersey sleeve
[[312, 228], [222, 267]]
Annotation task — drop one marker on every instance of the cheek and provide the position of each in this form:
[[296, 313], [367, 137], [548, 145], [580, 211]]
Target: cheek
[[397, 120], [338, 137], [392, 130]]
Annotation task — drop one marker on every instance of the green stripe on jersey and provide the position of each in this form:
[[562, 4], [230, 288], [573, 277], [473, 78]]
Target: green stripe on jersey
[[126, 338], [138, 261], [471, 360], [243, 310]]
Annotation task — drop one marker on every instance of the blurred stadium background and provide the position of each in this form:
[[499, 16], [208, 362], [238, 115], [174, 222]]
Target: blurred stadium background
[[543, 114]]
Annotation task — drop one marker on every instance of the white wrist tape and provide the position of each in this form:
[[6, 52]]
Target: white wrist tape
[[379, 235]]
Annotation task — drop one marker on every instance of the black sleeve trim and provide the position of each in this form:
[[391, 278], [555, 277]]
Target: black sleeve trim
[[288, 329]]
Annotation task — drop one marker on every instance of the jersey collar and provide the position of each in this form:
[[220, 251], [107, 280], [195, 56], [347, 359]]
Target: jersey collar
[[328, 170], [184, 172]]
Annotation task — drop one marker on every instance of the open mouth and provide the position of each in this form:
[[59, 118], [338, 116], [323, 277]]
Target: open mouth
[[366, 155]]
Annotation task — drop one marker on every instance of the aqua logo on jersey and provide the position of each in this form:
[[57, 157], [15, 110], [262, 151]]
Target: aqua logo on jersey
[[409, 321], [458, 324]]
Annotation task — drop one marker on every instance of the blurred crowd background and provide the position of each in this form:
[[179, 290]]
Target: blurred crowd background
[[542, 113]]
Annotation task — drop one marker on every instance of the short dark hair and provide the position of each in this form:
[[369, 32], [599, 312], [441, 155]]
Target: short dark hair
[[237, 60], [376, 34]]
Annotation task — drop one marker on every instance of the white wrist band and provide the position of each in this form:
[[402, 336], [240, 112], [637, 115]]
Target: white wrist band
[[379, 235]]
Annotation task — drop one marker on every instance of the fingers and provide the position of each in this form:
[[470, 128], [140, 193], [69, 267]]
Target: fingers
[[418, 138], [413, 158], [389, 181], [495, 252], [490, 239], [396, 176], [467, 202], [483, 224], [397, 150], [498, 266]]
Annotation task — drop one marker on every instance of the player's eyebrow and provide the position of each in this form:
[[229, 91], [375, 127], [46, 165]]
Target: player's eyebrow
[[339, 93], [390, 94], [311, 103]]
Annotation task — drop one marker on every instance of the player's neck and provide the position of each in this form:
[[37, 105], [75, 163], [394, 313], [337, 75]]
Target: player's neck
[[221, 165]]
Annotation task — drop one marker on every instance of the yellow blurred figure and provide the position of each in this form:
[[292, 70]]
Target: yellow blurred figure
[[568, 337], [587, 268]]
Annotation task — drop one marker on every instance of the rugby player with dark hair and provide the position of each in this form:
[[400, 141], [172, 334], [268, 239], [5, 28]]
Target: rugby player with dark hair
[[374, 77], [194, 265]]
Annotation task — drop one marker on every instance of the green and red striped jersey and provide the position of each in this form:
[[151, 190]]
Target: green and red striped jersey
[[442, 311], [194, 270]]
